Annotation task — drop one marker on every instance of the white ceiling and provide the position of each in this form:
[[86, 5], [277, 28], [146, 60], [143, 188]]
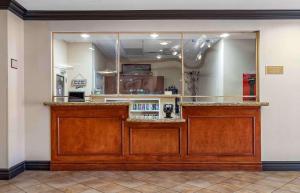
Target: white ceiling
[[157, 4]]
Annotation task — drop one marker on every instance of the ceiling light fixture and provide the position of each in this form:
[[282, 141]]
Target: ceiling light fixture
[[160, 50], [158, 56], [154, 35], [179, 56], [199, 56], [208, 45], [85, 36], [164, 43], [174, 53], [202, 45], [224, 35]]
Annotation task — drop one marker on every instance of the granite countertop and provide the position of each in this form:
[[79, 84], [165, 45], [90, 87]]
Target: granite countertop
[[174, 120], [224, 104], [85, 103]]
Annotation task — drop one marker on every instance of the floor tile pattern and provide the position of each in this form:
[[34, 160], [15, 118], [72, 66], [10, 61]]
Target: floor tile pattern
[[152, 182]]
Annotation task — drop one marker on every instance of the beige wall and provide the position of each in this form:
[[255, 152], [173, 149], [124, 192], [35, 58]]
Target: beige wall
[[279, 45], [3, 90], [37, 90], [12, 123], [16, 121]]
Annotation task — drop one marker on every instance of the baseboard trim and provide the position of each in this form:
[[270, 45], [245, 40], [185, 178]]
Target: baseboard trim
[[156, 166], [281, 165], [7, 174], [37, 165]]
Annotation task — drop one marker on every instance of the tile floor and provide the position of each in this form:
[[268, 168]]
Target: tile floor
[[159, 182]]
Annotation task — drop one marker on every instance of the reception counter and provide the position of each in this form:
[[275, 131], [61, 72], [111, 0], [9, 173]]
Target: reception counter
[[102, 136]]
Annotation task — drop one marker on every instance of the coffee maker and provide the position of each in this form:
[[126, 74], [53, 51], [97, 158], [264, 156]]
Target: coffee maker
[[168, 109]]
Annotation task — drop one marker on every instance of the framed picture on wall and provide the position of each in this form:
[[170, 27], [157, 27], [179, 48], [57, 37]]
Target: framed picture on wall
[[136, 68]]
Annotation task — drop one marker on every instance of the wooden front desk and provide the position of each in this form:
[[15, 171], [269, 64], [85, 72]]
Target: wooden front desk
[[100, 137]]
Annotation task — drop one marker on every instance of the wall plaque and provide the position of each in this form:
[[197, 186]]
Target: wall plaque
[[79, 81], [274, 70]]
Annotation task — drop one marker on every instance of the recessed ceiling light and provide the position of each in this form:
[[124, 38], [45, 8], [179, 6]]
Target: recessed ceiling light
[[160, 50], [164, 43], [85, 36], [199, 56], [224, 35], [174, 53], [154, 35], [158, 56]]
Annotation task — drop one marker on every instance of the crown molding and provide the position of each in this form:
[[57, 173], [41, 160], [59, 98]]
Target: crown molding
[[4, 4], [20, 11], [14, 7], [17, 9], [164, 14]]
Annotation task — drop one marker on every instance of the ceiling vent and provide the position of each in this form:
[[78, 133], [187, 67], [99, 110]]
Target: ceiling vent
[[133, 51]]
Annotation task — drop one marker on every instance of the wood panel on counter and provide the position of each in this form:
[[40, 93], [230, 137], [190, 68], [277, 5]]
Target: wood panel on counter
[[82, 134], [154, 142], [224, 135], [99, 137]]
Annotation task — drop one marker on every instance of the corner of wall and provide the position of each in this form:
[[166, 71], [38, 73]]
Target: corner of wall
[[3, 90]]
